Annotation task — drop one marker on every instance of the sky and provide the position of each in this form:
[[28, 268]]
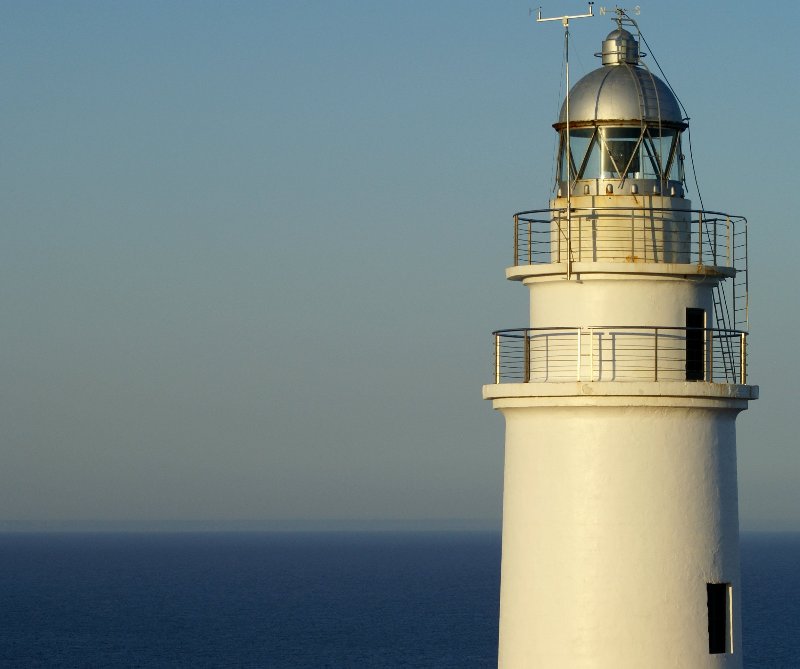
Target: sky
[[252, 253]]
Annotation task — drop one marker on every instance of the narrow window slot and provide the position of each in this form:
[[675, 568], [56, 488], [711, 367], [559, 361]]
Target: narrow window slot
[[720, 618]]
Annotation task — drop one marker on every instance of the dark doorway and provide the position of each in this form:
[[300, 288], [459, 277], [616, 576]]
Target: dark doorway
[[695, 344]]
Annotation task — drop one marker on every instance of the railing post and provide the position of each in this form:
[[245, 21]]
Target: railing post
[[578, 369], [557, 220], [569, 233], [496, 357], [527, 356], [714, 241], [700, 238], [633, 235], [728, 243], [743, 358], [655, 356], [516, 240], [530, 242]]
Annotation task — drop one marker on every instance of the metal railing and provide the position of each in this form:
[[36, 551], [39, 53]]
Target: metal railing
[[630, 234], [620, 353], [643, 234]]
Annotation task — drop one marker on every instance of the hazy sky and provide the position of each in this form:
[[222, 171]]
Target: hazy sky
[[252, 252]]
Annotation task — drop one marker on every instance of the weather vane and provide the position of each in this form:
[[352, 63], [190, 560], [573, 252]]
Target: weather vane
[[621, 10]]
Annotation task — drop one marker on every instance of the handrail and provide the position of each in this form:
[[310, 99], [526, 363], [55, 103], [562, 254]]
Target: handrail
[[693, 236], [619, 353], [672, 210], [632, 235]]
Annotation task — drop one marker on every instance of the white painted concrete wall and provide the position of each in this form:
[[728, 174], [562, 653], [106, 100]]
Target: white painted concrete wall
[[613, 300], [620, 299], [615, 518]]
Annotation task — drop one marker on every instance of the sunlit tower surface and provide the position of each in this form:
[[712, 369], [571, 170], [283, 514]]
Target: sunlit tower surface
[[620, 510]]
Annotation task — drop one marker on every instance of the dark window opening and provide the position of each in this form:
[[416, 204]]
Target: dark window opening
[[719, 618], [695, 344]]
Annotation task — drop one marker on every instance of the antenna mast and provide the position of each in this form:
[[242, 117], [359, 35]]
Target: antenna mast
[[565, 22]]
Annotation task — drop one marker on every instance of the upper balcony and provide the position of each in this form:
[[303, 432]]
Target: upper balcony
[[639, 235], [639, 240]]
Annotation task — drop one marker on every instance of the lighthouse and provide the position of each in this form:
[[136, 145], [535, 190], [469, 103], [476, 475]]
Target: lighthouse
[[620, 511]]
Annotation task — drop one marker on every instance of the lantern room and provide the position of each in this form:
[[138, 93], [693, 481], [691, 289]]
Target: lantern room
[[620, 129]]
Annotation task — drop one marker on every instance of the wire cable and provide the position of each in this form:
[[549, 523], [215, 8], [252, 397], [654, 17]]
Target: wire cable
[[686, 117]]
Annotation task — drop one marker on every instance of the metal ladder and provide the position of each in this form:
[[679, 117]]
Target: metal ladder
[[722, 321], [722, 313]]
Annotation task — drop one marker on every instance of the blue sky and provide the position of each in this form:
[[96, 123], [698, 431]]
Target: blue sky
[[252, 252]]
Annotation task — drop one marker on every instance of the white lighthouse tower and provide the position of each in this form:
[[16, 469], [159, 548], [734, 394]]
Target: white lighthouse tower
[[620, 520]]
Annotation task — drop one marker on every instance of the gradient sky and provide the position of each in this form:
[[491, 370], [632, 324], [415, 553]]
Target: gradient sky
[[252, 252]]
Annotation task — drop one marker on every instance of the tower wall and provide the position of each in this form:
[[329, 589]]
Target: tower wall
[[621, 299], [604, 328], [616, 516]]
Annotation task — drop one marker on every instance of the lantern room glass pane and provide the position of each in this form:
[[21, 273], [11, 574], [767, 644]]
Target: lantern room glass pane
[[656, 152], [579, 140], [621, 153], [620, 156], [579, 144], [562, 157], [676, 167]]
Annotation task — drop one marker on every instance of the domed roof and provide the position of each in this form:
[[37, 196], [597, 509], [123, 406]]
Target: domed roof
[[621, 90]]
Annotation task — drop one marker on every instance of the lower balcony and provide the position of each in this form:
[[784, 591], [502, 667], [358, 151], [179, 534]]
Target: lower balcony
[[620, 353]]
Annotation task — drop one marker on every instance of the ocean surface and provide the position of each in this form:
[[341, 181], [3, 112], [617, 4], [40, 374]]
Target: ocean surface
[[377, 599]]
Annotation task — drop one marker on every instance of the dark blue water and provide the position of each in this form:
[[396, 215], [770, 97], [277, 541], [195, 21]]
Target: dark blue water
[[771, 600], [302, 600]]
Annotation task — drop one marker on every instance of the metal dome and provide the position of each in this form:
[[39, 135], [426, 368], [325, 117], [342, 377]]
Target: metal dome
[[621, 90]]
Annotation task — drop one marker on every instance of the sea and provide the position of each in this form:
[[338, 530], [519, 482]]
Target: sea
[[303, 599]]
